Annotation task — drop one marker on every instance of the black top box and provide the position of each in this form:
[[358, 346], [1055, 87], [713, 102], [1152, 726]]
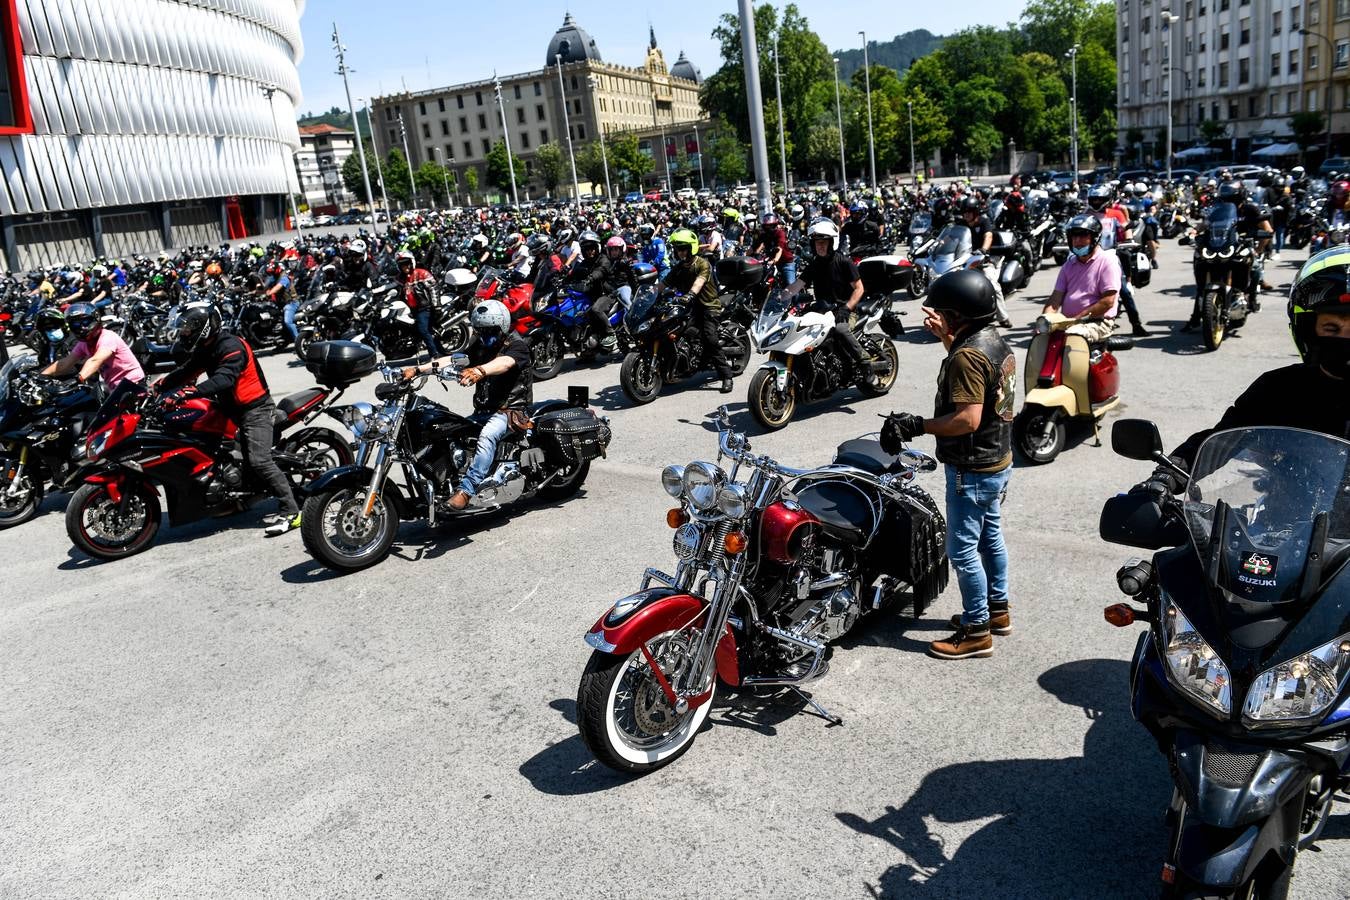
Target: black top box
[[340, 363], [739, 273]]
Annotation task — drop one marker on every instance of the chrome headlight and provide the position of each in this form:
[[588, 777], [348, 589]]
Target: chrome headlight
[[357, 418], [703, 483], [672, 479], [774, 336], [1298, 689], [733, 501], [1193, 666]]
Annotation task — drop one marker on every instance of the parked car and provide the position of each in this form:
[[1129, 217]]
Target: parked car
[[1333, 164], [655, 195], [633, 197], [687, 193]]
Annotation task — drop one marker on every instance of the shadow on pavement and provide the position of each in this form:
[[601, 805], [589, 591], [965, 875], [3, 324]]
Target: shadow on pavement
[[567, 769], [1084, 826]]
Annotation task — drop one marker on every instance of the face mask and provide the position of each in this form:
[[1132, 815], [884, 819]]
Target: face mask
[[1333, 355], [55, 335], [1082, 252]]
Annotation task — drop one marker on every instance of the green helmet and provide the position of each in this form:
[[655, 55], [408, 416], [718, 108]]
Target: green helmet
[[684, 237], [1322, 285]]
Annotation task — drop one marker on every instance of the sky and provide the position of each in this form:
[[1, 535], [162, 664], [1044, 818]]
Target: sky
[[432, 43]]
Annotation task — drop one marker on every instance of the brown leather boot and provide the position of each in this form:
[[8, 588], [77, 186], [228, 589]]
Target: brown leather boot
[[1000, 621], [969, 642], [459, 501]]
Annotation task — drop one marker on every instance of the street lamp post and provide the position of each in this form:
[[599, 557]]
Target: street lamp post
[[1073, 108], [1168, 20], [604, 157], [567, 124], [449, 163], [407, 158], [698, 148], [871, 142], [356, 126], [269, 90], [913, 174], [754, 101], [839, 116], [506, 139], [778, 87], [1331, 53], [379, 174]]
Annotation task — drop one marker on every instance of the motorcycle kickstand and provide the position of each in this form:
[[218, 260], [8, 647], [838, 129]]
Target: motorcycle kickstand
[[824, 713], [1096, 432]]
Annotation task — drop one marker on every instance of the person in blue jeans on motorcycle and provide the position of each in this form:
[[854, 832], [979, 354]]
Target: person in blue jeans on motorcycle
[[973, 416]]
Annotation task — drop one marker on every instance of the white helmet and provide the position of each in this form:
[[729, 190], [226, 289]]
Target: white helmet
[[490, 318], [824, 228], [357, 246]]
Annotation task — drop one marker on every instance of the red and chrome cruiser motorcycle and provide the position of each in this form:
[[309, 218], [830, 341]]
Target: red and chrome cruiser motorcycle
[[774, 564]]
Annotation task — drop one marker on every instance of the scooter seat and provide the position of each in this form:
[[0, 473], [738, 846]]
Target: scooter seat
[[287, 406], [865, 454]]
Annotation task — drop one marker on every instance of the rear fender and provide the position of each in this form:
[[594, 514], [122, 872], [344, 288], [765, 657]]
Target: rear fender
[[637, 618]]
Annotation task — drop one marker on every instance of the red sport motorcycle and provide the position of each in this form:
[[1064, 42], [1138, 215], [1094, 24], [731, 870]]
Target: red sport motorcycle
[[774, 564], [190, 450]]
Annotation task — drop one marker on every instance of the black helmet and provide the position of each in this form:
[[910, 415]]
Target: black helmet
[[646, 229], [1085, 224], [1232, 192], [196, 325], [590, 238], [970, 204], [539, 243], [966, 292], [1099, 195], [51, 324], [82, 319], [1321, 286]]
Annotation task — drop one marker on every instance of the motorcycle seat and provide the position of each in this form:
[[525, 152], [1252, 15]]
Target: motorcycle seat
[[865, 454], [287, 406]]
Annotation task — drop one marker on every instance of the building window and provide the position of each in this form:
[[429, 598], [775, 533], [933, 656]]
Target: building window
[[1312, 58], [1291, 102], [1315, 12], [539, 112], [1294, 19], [538, 92], [1223, 6], [449, 153], [482, 121], [468, 150], [1342, 54], [459, 101], [1223, 39], [1275, 63], [525, 140], [520, 115], [393, 137], [1293, 62], [426, 129], [440, 104], [1190, 8], [1203, 43], [478, 95], [1274, 103], [576, 107], [1245, 33], [1200, 112], [1223, 75], [1251, 107], [543, 135], [1275, 18], [422, 108], [463, 125], [574, 83], [1244, 71], [487, 148], [1310, 100], [445, 128], [581, 130]]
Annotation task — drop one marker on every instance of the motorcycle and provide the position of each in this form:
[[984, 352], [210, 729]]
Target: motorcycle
[[136, 446], [668, 346], [950, 250], [563, 324], [42, 428], [1066, 379], [805, 363], [1224, 274], [352, 512], [1242, 675], [773, 565], [260, 321], [325, 317], [883, 277]]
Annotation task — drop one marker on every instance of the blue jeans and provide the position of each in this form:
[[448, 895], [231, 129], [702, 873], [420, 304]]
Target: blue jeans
[[975, 539], [288, 316], [1280, 231], [423, 319], [494, 429], [789, 273]]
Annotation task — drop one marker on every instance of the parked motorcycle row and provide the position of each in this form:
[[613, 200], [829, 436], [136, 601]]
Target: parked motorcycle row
[[774, 564]]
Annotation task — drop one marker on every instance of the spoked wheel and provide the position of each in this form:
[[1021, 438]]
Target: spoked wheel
[[317, 450], [1212, 324], [303, 341], [640, 377], [19, 501], [625, 717], [546, 357], [105, 528], [771, 407], [1039, 433], [338, 534], [884, 351]]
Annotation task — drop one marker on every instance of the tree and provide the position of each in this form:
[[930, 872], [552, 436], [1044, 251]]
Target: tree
[[982, 50], [1308, 128], [1213, 129], [821, 152], [626, 159], [499, 170], [591, 163], [352, 177], [979, 101], [396, 181], [931, 132], [982, 142], [548, 162], [431, 180], [1101, 134], [471, 179], [728, 155], [682, 167]]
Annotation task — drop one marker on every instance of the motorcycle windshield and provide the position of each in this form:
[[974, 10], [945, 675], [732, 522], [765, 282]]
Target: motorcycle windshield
[[642, 304], [1222, 221], [954, 241], [1264, 502], [921, 223], [775, 307], [488, 278]]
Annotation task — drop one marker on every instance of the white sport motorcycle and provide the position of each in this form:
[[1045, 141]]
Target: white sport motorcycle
[[805, 361]]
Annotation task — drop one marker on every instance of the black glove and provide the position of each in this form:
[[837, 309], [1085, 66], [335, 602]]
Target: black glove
[[898, 430], [1164, 482], [841, 313]]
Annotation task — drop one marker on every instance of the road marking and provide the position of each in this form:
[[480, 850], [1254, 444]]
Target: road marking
[[534, 590]]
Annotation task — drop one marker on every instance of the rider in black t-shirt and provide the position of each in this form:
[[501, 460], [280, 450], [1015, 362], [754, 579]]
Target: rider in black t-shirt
[[834, 279]]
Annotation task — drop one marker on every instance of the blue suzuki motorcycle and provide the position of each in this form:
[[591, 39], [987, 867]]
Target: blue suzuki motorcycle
[[563, 324]]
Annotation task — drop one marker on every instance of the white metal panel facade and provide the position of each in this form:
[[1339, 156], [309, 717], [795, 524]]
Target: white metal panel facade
[[150, 101]]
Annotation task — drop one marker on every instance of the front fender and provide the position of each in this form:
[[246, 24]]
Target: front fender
[[356, 477], [1061, 396], [780, 368], [637, 618]]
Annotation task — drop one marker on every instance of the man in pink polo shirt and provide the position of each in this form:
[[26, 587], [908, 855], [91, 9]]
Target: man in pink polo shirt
[[96, 352], [1088, 284]]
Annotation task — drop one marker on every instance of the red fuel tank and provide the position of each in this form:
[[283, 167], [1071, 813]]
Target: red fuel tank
[[1104, 378]]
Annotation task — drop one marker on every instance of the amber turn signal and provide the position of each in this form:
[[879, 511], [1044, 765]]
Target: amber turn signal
[[735, 542], [676, 517], [1119, 614]]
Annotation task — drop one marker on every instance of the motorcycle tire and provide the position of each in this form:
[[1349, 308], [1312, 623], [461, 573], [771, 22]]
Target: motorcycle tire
[[1037, 443], [918, 284], [640, 377], [89, 500], [455, 338], [609, 739], [23, 506], [1213, 324], [546, 357], [738, 352], [566, 484], [329, 529], [303, 341], [319, 450], [770, 409], [884, 349]]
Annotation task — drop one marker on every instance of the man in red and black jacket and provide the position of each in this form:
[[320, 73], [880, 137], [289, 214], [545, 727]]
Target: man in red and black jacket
[[419, 292], [235, 381]]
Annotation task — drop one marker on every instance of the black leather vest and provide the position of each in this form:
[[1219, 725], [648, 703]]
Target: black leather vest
[[992, 441]]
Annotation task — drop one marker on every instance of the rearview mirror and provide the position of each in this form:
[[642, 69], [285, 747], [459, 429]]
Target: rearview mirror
[[1136, 439]]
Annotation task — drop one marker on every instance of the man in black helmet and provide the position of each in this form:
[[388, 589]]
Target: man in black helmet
[[972, 422]]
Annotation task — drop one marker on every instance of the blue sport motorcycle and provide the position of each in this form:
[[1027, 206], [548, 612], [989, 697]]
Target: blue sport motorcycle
[[562, 324]]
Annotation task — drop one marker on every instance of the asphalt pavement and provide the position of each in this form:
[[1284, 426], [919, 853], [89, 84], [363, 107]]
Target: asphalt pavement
[[220, 717]]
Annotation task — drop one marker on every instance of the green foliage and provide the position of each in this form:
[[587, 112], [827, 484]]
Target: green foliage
[[548, 163], [471, 179], [897, 53], [351, 174], [931, 131], [1213, 129], [821, 152], [396, 182], [627, 163], [982, 142], [431, 181], [727, 154], [1308, 128], [976, 51], [499, 169], [591, 163], [1101, 134]]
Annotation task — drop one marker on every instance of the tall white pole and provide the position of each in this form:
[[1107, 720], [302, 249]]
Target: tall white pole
[[912, 173], [754, 101], [604, 156], [1073, 109], [1168, 20], [871, 142], [698, 148], [356, 126], [269, 91], [778, 86], [379, 173], [567, 125], [839, 115], [407, 158], [506, 139]]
